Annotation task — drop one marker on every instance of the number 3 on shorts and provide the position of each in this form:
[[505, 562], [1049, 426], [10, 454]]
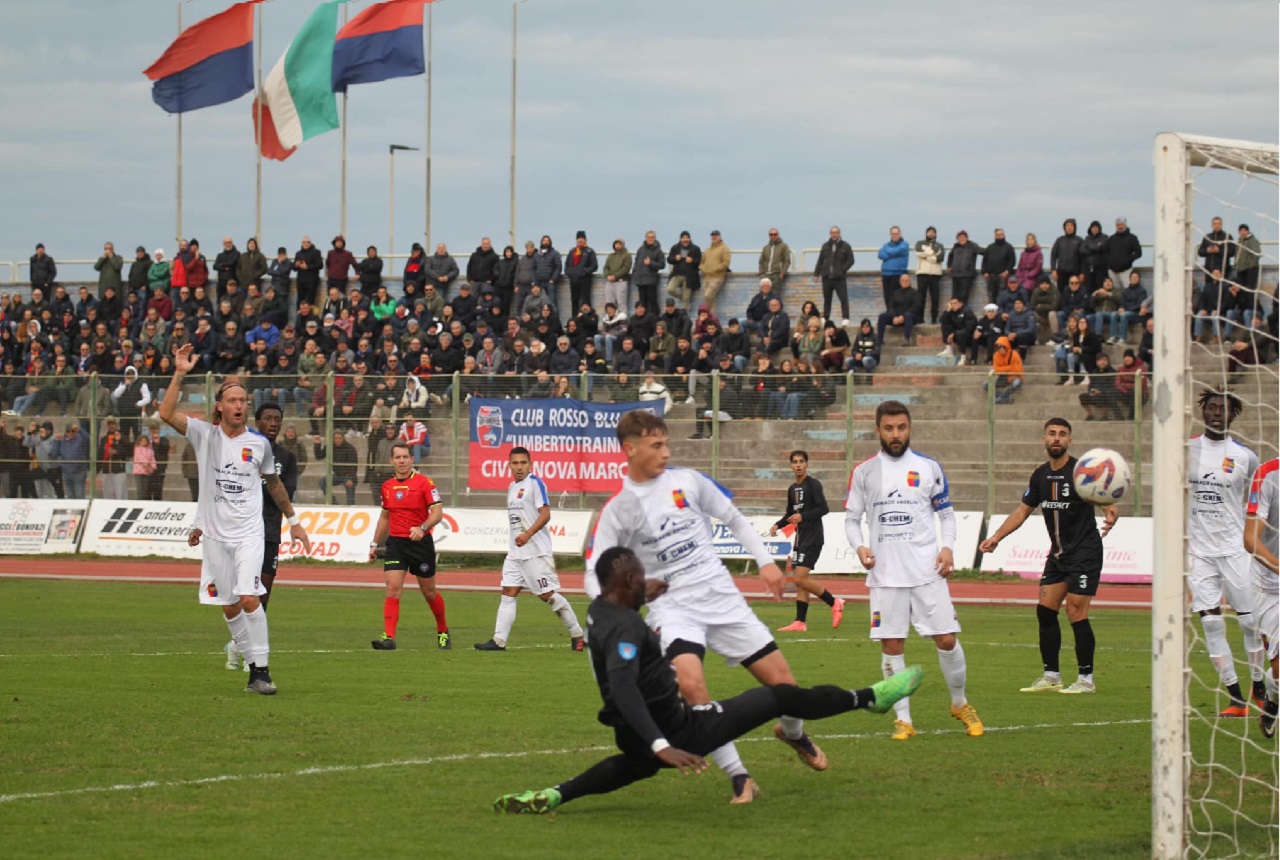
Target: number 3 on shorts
[[1084, 581]]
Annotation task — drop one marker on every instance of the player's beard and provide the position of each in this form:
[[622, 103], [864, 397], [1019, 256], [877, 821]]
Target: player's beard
[[1055, 450], [887, 447]]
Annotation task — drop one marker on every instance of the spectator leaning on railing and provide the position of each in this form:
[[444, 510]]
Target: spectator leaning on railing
[[714, 268], [894, 256]]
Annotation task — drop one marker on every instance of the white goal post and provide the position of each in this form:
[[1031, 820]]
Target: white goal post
[[1177, 158]]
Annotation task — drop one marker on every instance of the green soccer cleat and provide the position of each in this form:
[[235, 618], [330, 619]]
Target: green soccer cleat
[[895, 688], [532, 802]]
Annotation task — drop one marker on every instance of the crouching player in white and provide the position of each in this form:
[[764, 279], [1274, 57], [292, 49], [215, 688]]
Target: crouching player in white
[[530, 563], [664, 516], [236, 466], [900, 492], [1261, 535]]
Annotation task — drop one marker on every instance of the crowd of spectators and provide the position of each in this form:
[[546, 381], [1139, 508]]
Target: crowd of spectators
[[295, 325]]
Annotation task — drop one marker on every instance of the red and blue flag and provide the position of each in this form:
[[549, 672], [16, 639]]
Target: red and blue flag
[[210, 62], [382, 42]]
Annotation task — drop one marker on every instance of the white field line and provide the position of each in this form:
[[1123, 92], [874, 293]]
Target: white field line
[[471, 757], [750, 595]]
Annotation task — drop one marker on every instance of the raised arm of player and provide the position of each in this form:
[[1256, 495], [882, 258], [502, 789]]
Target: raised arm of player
[[184, 361], [716, 501], [1008, 527]]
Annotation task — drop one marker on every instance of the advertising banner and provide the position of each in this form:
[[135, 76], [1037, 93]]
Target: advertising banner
[[727, 546], [337, 534], [32, 526], [120, 527], [485, 530], [572, 442], [1128, 552]]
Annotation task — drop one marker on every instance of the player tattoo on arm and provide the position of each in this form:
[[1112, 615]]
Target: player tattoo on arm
[[275, 488]]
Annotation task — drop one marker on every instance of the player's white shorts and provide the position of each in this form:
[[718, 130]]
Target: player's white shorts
[[535, 574], [230, 570], [1266, 611], [715, 616], [927, 608], [1225, 576]]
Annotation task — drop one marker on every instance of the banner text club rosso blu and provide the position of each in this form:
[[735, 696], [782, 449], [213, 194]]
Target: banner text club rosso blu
[[574, 443]]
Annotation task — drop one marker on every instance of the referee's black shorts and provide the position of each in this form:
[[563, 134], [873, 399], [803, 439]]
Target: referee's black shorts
[[1081, 574], [416, 556]]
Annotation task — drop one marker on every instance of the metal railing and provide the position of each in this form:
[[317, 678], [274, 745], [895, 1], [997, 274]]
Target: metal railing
[[748, 422]]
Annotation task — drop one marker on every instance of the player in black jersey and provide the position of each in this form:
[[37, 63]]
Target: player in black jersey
[[653, 727], [1074, 566], [267, 420], [806, 506]]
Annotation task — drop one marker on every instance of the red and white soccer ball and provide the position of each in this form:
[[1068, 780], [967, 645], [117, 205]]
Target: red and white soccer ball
[[1102, 477]]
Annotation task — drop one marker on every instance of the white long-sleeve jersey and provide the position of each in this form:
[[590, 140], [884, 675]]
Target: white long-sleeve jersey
[[900, 496], [666, 522]]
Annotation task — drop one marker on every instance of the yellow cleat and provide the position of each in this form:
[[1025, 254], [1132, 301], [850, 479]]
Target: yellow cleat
[[902, 731], [967, 715]]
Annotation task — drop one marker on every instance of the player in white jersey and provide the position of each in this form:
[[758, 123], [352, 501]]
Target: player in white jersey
[[1261, 535], [1219, 470], [530, 563], [663, 515], [236, 466], [900, 493]]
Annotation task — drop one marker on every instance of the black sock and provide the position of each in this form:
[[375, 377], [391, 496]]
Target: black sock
[[827, 598], [816, 703], [1260, 689], [866, 697], [802, 610], [1233, 690], [1083, 631], [1050, 637]]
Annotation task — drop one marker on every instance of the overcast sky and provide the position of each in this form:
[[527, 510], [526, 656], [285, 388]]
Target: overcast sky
[[729, 114]]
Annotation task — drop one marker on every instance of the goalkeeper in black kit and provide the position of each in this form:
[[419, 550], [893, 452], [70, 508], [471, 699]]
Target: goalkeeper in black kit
[[653, 727]]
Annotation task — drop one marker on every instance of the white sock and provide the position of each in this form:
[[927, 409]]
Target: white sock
[[1252, 644], [728, 760], [1215, 638], [507, 607], [259, 646], [954, 670], [1088, 679], [792, 727], [239, 633], [1273, 687], [561, 607], [1055, 677], [892, 665]]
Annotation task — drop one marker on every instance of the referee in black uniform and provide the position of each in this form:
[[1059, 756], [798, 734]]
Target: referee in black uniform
[[653, 727], [1074, 566]]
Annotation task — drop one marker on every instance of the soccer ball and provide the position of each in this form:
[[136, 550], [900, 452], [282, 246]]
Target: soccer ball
[[1102, 477]]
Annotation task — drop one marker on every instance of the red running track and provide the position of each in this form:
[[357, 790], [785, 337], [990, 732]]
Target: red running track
[[1016, 592]]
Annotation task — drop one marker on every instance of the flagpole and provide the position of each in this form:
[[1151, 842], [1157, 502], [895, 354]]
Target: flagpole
[[430, 33], [342, 215], [257, 133], [515, 21], [178, 240]]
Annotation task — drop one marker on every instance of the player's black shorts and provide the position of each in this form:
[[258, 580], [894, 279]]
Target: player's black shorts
[[1081, 575], [270, 558], [806, 555], [417, 557]]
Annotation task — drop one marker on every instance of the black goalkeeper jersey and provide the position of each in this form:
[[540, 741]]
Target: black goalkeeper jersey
[[806, 499], [636, 681], [1070, 521]]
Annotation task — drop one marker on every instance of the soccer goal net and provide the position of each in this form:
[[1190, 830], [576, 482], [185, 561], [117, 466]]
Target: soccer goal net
[[1214, 774]]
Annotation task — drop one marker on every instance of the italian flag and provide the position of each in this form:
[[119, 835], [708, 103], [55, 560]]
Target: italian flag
[[297, 100]]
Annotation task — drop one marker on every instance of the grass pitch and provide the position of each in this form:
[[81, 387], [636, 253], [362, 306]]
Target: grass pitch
[[122, 735]]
